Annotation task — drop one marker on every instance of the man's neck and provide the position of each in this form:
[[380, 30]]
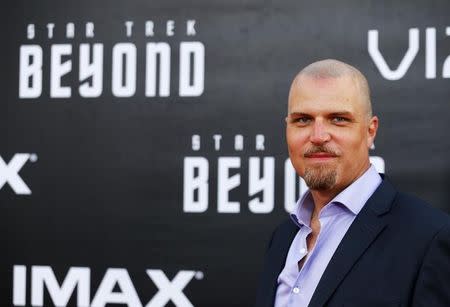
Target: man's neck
[[321, 198]]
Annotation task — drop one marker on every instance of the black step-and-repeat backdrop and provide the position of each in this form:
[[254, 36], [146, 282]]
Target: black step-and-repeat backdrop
[[142, 150]]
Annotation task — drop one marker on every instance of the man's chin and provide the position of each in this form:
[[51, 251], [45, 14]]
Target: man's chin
[[319, 179], [321, 188]]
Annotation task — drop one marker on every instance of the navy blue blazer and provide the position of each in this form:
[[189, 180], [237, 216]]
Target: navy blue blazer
[[395, 253]]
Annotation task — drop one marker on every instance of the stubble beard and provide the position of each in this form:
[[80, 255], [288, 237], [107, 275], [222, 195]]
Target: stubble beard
[[320, 177]]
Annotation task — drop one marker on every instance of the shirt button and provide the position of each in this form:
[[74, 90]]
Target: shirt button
[[296, 290], [302, 251]]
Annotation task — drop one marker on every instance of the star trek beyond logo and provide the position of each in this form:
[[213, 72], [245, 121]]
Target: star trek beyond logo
[[237, 173], [145, 59]]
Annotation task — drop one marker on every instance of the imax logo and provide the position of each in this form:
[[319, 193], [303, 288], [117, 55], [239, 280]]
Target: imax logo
[[9, 172], [107, 292]]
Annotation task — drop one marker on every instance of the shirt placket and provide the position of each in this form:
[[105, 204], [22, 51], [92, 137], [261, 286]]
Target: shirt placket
[[296, 293]]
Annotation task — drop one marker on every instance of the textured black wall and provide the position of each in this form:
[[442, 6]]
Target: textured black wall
[[106, 173]]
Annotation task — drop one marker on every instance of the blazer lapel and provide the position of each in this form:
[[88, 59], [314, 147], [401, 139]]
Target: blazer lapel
[[364, 229], [274, 263]]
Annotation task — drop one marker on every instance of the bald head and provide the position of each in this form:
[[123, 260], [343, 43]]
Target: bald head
[[333, 69]]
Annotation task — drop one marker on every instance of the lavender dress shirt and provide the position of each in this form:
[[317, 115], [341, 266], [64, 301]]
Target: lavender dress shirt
[[295, 288]]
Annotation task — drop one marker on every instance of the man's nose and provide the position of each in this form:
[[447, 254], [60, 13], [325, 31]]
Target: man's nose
[[319, 133]]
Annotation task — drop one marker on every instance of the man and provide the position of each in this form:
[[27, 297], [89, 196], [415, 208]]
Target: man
[[353, 239]]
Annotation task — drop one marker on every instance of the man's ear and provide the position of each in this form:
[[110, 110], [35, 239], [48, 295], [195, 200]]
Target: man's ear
[[372, 131]]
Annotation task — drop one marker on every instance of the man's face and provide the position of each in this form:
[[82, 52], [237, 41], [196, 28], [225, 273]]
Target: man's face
[[328, 132]]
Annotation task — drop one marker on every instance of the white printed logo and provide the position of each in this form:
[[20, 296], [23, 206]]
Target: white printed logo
[[9, 172], [410, 55], [80, 278], [259, 175], [89, 68]]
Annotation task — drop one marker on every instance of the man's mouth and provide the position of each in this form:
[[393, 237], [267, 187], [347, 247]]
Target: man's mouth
[[320, 156]]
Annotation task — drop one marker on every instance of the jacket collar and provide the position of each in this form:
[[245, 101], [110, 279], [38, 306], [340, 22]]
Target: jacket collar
[[369, 223]]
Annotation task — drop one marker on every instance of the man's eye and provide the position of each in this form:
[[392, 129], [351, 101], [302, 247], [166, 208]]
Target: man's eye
[[302, 120], [339, 119]]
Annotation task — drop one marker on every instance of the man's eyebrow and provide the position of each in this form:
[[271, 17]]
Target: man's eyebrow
[[341, 113], [293, 114], [337, 113]]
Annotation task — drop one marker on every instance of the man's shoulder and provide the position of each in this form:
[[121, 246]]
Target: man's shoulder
[[405, 209], [411, 211]]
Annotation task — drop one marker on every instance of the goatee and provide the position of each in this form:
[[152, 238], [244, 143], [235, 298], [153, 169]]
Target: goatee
[[320, 177]]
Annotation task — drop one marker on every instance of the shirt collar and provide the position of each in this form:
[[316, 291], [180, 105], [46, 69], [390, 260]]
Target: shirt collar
[[303, 210], [353, 197]]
